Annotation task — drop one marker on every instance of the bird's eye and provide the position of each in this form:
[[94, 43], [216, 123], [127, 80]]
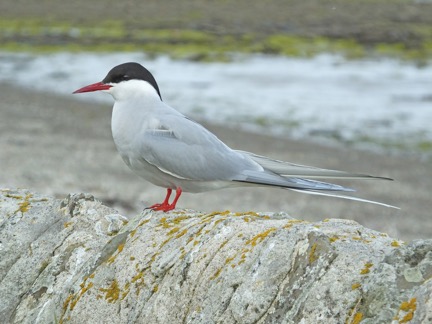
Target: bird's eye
[[125, 77]]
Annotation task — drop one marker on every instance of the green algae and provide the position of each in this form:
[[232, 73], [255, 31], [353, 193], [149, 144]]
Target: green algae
[[38, 36]]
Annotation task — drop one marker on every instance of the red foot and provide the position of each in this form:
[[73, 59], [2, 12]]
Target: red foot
[[165, 205]]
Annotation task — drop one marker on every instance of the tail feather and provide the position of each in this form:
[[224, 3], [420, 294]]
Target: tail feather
[[288, 169], [327, 194]]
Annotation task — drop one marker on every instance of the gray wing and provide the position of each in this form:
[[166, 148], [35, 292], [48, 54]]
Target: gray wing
[[186, 150]]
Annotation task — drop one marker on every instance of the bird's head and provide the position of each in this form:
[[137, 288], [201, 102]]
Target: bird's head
[[125, 80]]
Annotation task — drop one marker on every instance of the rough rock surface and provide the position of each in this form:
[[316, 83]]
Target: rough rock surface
[[78, 261]]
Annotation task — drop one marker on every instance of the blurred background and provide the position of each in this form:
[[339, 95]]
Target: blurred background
[[337, 84]]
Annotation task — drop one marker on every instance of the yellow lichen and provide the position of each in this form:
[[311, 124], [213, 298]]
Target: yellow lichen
[[291, 223], [355, 286], [155, 289], [73, 299], [113, 257], [177, 220], [260, 237], [409, 307], [312, 256], [13, 196], [333, 239], [164, 223], [145, 221], [248, 214], [354, 316], [139, 276], [112, 293], [216, 274], [357, 318], [165, 242], [395, 244], [366, 268], [174, 230], [229, 259], [223, 244], [24, 206], [125, 291], [181, 233], [67, 224], [67, 302]]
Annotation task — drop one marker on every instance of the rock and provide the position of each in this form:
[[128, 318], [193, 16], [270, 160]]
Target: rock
[[77, 261]]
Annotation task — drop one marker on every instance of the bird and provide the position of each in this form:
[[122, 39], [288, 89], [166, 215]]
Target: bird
[[172, 151]]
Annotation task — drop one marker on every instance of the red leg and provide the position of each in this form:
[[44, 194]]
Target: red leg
[[164, 203], [176, 198], [166, 206]]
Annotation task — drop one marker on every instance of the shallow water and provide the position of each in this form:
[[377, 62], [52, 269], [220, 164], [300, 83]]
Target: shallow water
[[366, 101]]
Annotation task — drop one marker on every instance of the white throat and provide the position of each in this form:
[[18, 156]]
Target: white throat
[[132, 89]]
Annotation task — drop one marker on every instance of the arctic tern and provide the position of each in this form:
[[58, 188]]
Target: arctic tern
[[174, 152]]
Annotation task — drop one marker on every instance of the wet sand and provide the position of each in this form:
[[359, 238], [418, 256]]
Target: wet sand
[[58, 145]]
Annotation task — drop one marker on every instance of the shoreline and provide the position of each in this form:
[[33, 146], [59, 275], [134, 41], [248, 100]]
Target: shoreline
[[57, 145]]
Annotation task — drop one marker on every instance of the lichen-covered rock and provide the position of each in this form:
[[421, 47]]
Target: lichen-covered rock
[[78, 261]]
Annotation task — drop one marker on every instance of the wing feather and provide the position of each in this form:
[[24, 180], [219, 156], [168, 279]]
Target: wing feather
[[288, 169]]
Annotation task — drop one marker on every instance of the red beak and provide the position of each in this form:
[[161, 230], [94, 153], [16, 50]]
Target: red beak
[[93, 87]]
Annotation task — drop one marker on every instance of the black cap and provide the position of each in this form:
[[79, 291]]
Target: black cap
[[131, 71]]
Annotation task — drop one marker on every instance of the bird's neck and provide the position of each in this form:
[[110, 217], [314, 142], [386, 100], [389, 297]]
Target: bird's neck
[[132, 117]]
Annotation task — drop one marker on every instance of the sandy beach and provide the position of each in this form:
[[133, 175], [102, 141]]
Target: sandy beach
[[57, 145]]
